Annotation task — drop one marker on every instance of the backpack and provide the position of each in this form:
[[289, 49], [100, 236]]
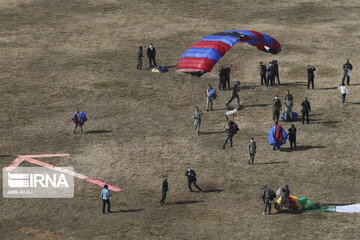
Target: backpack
[[212, 93], [271, 194], [234, 129]]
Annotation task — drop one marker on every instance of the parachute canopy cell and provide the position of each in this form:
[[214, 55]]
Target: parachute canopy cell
[[205, 53]]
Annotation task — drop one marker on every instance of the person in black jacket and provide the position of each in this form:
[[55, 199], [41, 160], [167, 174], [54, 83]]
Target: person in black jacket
[[139, 57], [306, 109], [262, 73], [222, 78], [164, 189], [270, 75], [227, 76], [235, 94], [292, 135], [191, 176], [151, 53], [347, 67], [310, 71], [231, 131]]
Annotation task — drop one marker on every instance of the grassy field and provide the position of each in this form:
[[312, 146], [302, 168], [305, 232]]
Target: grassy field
[[60, 55]]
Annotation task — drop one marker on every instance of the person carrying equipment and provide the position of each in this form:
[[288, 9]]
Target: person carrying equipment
[[231, 131], [210, 96], [79, 118]]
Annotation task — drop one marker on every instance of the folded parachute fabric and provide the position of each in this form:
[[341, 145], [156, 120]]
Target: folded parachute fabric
[[82, 117], [277, 136], [294, 116]]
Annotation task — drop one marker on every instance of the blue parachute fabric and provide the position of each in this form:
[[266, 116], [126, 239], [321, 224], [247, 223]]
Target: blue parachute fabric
[[225, 39], [210, 53], [294, 115], [83, 116], [271, 136], [163, 69]]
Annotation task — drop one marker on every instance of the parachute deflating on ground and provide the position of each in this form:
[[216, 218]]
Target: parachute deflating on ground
[[202, 56], [304, 204]]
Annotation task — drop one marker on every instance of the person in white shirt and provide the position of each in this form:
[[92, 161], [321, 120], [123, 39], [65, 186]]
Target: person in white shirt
[[344, 91]]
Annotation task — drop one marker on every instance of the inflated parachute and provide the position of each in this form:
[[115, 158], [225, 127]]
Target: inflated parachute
[[202, 56]]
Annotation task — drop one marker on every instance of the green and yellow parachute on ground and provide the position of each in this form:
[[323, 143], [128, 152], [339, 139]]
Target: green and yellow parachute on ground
[[303, 204]]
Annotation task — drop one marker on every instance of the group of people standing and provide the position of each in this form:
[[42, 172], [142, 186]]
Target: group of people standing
[[268, 74], [150, 53], [224, 77]]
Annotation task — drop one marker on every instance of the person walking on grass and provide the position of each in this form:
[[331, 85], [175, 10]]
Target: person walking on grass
[[235, 94], [347, 67], [164, 190], [105, 196], [343, 91], [252, 150], [231, 131], [191, 177]]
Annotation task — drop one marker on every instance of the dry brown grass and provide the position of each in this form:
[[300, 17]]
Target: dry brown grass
[[58, 55]]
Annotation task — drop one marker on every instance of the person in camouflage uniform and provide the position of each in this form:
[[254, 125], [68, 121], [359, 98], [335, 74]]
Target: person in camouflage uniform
[[289, 103], [197, 120], [267, 197], [276, 108], [252, 150]]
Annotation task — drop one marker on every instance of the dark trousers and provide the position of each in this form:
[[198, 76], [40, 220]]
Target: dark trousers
[[347, 79], [262, 79], [343, 97], [310, 80], [276, 115], [232, 98], [192, 182], [292, 143], [108, 204], [267, 206], [163, 197], [270, 80], [303, 117], [152, 59], [227, 82], [139, 66], [278, 78], [222, 84], [229, 137]]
